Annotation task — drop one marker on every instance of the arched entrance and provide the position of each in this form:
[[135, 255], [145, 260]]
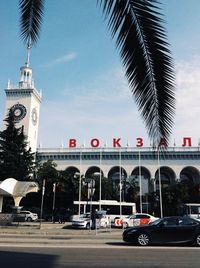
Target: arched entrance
[[145, 178], [190, 175], [117, 175], [167, 177]]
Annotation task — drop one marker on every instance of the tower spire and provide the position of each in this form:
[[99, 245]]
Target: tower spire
[[26, 80], [29, 46]]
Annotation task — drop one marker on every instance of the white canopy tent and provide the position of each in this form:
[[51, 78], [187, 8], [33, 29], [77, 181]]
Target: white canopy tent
[[16, 189]]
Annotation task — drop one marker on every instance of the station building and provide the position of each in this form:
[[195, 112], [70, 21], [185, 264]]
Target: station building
[[119, 164], [172, 165]]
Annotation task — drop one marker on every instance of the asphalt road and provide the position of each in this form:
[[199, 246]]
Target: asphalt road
[[84, 249], [119, 256], [56, 247]]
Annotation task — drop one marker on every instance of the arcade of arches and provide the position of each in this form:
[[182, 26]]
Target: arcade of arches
[[149, 182]]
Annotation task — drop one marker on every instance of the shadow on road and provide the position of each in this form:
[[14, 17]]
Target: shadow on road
[[117, 244], [23, 259]]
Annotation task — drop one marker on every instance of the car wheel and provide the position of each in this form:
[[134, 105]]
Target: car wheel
[[126, 225], [29, 219], [198, 240], [143, 239], [88, 226]]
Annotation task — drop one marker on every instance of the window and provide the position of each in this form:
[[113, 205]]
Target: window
[[144, 216], [187, 221], [170, 222]]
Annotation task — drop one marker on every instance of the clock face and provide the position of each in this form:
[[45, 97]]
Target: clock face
[[19, 112], [34, 116]]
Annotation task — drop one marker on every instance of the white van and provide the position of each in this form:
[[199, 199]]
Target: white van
[[192, 210]]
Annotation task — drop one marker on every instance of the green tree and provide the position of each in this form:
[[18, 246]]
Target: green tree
[[107, 191], [68, 187], [142, 43], [47, 171], [133, 189], [16, 159]]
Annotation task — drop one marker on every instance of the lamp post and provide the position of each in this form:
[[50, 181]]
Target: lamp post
[[92, 189], [79, 195], [124, 178], [120, 183], [90, 183], [160, 186], [77, 175], [123, 188], [54, 199], [42, 201], [98, 175], [140, 182], [100, 159], [154, 184]]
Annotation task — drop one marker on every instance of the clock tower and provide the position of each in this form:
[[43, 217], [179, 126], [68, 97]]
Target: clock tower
[[24, 100]]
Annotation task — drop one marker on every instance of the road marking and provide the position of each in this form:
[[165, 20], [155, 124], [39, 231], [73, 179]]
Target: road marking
[[121, 247]]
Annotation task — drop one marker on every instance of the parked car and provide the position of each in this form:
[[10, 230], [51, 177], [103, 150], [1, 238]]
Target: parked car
[[138, 219], [84, 221], [103, 219], [29, 216], [168, 230]]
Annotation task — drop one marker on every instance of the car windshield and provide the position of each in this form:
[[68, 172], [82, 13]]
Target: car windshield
[[155, 222], [138, 216], [131, 217], [83, 216]]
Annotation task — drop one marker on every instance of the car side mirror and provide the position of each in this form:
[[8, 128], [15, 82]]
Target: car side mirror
[[161, 225]]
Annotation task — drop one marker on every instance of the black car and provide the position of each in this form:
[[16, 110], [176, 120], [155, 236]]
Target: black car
[[168, 230]]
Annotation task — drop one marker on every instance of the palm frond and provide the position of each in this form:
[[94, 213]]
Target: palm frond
[[30, 20], [141, 40]]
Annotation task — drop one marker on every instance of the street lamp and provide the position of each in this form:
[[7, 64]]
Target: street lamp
[[54, 199], [91, 188], [120, 182], [140, 182], [91, 185], [78, 175], [42, 202], [98, 174], [123, 186], [153, 180], [160, 185], [100, 159]]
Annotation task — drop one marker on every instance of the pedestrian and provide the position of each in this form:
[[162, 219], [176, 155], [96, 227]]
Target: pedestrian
[[94, 218], [54, 215], [62, 215]]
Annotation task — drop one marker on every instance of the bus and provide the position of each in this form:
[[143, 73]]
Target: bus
[[191, 209], [112, 207]]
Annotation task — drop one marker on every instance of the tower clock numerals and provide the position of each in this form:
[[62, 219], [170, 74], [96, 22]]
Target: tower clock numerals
[[34, 116], [19, 111]]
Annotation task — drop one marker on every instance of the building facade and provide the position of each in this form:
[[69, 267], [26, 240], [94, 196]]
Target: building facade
[[119, 164], [171, 166]]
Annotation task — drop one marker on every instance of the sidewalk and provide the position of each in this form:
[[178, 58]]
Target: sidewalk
[[32, 228], [49, 228], [57, 235]]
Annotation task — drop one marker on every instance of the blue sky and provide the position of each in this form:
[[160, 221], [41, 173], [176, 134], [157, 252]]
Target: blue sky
[[78, 69]]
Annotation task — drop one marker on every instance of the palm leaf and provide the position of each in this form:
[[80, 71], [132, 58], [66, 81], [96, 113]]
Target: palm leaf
[[141, 40], [30, 20]]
